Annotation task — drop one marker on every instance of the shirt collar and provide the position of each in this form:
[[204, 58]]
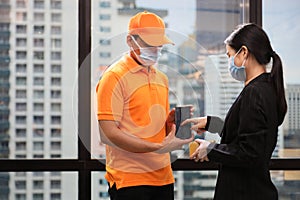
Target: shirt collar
[[134, 67]]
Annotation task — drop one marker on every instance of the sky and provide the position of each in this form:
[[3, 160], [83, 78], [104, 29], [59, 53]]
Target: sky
[[280, 21], [180, 19], [176, 9]]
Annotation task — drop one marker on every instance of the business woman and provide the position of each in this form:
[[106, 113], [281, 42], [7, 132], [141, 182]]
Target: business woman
[[249, 132]]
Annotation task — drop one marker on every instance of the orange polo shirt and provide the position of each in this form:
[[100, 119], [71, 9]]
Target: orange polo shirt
[[138, 99]]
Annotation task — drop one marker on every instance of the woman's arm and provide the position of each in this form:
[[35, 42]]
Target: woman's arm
[[247, 147], [214, 124], [209, 123]]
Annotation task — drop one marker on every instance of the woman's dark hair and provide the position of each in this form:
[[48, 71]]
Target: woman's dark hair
[[256, 40]]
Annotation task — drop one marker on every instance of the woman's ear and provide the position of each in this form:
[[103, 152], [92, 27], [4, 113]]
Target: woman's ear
[[245, 51]]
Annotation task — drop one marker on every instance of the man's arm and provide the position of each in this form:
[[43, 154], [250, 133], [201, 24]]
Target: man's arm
[[111, 135]]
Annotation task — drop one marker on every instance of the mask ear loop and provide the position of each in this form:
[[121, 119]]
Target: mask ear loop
[[236, 55], [138, 57], [239, 52], [137, 44], [246, 49], [243, 64]]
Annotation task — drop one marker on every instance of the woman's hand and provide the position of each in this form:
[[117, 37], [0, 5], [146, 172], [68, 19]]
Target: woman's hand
[[171, 118], [199, 124], [201, 152], [171, 142]]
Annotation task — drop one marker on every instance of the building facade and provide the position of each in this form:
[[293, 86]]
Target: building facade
[[42, 81], [4, 92]]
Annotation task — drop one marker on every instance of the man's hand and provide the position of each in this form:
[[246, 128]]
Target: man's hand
[[170, 121], [171, 142]]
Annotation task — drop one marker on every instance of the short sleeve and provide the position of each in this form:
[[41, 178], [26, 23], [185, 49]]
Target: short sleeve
[[110, 99]]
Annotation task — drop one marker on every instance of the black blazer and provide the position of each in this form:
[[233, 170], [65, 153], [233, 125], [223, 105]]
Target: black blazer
[[249, 137]]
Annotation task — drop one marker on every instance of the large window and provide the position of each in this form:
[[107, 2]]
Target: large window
[[51, 60], [284, 31], [38, 102], [197, 56], [193, 65]]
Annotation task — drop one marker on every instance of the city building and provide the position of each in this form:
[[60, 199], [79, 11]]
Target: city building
[[42, 81], [221, 89], [4, 92], [288, 181], [291, 124]]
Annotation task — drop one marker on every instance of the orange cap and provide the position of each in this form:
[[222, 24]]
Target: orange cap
[[150, 28]]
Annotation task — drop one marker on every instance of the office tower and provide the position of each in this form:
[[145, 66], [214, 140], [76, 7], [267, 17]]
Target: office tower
[[4, 92], [110, 28], [43, 71], [222, 89], [290, 129], [292, 119], [189, 77], [215, 20], [288, 181]]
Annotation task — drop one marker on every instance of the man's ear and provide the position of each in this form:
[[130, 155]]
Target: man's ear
[[129, 40]]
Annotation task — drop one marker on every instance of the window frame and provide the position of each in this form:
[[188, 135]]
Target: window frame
[[84, 165]]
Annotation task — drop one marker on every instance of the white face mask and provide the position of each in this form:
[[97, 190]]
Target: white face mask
[[238, 73], [147, 56]]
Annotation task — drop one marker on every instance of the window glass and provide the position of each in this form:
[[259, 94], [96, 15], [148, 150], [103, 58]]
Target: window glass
[[39, 4], [38, 29], [21, 81], [201, 184], [39, 17], [99, 186], [38, 42], [55, 30], [56, 17], [104, 4], [21, 42], [38, 55], [38, 185], [196, 67], [283, 30], [287, 183], [279, 26], [21, 68], [21, 29], [21, 107], [56, 4], [38, 102], [21, 16]]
